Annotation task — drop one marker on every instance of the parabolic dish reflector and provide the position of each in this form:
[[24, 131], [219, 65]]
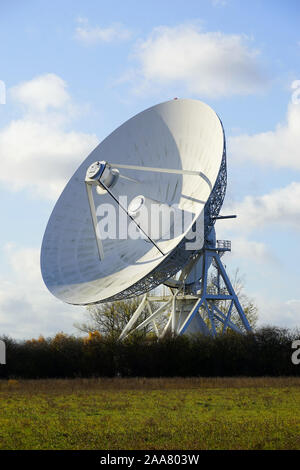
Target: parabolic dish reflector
[[182, 135]]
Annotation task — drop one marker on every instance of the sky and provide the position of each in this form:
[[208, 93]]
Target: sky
[[72, 71]]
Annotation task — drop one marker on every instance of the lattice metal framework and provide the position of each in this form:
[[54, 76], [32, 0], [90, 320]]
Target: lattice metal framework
[[215, 201], [204, 310]]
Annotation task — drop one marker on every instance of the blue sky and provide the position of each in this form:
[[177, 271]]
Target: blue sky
[[75, 70]]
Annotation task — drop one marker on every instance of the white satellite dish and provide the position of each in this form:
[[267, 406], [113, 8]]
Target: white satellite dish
[[169, 157]]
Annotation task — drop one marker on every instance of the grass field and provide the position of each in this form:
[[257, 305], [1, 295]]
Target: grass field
[[216, 413]]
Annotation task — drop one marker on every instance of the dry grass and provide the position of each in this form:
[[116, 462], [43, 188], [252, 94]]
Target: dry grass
[[117, 384]]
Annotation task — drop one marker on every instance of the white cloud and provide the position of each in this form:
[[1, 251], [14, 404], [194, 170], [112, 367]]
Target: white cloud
[[92, 35], [40, 157], [207, 63], [37, 152], [280, 313], [277, 148], [296, 93], [257, 252], [43, 92], [281, 207], [27, 309]]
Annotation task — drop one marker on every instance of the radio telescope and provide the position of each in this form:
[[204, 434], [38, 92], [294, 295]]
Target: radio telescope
[[139, 213]]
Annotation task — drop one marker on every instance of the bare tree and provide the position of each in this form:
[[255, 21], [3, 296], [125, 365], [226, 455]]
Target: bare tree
[[109, 319], [250, 309]]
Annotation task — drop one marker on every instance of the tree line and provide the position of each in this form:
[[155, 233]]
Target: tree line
[[265, 352]]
